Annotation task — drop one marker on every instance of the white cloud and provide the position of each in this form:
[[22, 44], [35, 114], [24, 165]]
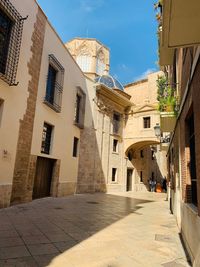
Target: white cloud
[[91, 5], [144, 74]]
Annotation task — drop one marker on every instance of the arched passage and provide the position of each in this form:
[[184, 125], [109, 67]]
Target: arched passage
[[144, 161]]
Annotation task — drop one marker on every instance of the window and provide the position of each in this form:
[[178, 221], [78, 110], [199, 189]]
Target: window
[[79, 108], [54, 87], [100, 68], [84, 62], [1, 109], [115, 145], [11, 25], [5, 30], [46, 138], [141, 176], [146, 122], [75, 147], [141, 154], [116, 123], [114, 174], [192, 164]]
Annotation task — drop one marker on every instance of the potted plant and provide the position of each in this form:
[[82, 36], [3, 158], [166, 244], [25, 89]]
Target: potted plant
[[166, 96]]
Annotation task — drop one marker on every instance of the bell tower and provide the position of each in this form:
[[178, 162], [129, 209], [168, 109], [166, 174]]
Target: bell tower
[[92, 56]]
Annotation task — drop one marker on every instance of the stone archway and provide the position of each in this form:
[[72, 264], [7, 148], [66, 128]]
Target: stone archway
[[147, 160]]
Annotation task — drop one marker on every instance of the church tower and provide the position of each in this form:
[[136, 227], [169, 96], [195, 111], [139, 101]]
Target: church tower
[[92, 56]]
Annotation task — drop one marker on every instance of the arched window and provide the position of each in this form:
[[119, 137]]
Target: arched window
[[84, 62], [100, 63]]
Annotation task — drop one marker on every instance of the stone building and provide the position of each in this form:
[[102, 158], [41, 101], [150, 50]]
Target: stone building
[[108, 165], [66, 125], [39, 81], [180, 59]]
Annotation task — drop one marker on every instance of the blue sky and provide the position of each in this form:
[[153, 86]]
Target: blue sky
[[127, 27]]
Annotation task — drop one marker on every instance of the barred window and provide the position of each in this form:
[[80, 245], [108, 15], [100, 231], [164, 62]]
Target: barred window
[[11, 26], [54, 86], [46, 138]]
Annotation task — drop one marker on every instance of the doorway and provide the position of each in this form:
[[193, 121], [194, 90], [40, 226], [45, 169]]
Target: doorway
[[129, 180], [43, 177]]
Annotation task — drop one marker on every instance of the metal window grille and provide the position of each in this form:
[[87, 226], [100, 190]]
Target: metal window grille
[[77, 108], [46, 138], [54, 86], [11, 26], [147, 122]]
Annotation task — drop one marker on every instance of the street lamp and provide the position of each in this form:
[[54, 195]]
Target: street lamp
[[157, 130]]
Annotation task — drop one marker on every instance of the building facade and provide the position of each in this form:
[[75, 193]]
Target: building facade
[[38, 87], [179, 58], [66, 125]]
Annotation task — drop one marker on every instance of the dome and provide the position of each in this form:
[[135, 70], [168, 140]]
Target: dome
[[109, 82]]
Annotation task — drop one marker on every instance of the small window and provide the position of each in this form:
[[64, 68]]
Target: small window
[[115, 145], [46, 138], [116, 123], [79, 108], [141, 176], [75, 147], [141, 153], [1, 109], [152, 176], [114, 174], [11, 26], [54, 87], [146, 122]]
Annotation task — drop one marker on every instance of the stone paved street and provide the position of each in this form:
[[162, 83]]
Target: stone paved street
[[127, 230]]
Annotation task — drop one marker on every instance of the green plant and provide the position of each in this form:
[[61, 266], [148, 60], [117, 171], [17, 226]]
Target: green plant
[[166, 96]]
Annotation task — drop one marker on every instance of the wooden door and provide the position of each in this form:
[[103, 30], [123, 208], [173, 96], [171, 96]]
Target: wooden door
[[43, 177], [129, 180]]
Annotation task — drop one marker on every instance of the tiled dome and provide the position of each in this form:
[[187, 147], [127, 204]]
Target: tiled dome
[[109, 82]]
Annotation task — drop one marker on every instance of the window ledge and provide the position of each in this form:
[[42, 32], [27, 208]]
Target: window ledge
[[116, 153], [56, 109]]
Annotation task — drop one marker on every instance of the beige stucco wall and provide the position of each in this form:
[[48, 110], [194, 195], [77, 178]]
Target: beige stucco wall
[[144, 96], [15, 97], [136, 137], [64, 129]]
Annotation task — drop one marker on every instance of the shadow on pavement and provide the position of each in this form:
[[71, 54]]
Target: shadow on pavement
[[34, 234]]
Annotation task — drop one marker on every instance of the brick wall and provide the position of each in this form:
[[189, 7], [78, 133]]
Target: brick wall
[[21, 170], [191, 105]]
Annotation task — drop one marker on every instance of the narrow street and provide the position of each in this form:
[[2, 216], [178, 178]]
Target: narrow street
[[100, 230]]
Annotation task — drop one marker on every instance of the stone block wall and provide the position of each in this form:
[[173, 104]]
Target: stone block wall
[[22, 162]]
